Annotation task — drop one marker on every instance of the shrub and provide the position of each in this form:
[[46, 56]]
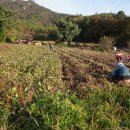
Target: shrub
[[106, 43], [2, 36]]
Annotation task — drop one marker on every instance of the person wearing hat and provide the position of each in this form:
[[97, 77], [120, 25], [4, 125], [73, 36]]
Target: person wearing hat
[[121, 72]]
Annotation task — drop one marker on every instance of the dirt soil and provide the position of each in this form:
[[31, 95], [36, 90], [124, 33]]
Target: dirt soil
[[83, 68]]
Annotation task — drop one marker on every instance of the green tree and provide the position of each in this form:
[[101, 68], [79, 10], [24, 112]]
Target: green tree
[[5, 22], [123, 39], [67, 30], [121, 15], [85, 26]]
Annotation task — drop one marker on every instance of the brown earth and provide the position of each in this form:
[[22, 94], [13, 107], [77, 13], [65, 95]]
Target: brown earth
[[4, 48], [82, 68]]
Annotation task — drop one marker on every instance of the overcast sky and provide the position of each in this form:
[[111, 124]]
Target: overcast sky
[[86, 7]]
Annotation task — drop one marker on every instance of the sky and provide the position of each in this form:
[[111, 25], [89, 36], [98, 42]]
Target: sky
[[86, 7]]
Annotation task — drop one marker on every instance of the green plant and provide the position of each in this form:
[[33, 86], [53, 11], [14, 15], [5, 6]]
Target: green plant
[[122, 40], [106, 43], [5, 23], [67, 30]]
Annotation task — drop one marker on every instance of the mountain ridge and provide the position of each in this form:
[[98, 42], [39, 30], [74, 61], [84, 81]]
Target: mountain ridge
[[29, 10]]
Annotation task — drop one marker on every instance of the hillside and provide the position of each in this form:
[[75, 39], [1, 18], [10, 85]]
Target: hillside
[[29, 10]]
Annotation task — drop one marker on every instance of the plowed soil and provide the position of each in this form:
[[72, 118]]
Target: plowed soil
[[82, 68]]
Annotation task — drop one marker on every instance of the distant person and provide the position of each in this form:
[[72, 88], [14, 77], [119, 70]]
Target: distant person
[[115, 49], [121, 73], [128, 58], [51, 47]]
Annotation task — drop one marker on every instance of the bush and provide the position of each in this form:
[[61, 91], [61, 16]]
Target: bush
[[106, 43], [10, 39], [2, 36], [39, 37]]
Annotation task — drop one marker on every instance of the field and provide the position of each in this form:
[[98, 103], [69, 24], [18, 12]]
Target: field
[[64, 89], [87, 66]]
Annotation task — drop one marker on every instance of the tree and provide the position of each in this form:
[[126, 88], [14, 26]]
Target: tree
[[85, 26], [5, 22], [67, 30], [121, 15], [123, 39]]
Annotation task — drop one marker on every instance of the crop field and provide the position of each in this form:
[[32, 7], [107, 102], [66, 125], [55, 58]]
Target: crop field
[[64, 89], [28, 66], [85, 67], [88, 66]]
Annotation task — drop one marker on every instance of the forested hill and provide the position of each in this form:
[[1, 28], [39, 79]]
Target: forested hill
[[30, 19], [29, 10]]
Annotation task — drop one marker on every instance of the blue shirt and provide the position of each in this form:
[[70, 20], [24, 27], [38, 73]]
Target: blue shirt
[[120, 71]]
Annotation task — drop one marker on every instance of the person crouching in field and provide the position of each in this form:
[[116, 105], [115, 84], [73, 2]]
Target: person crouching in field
[[121, 73]]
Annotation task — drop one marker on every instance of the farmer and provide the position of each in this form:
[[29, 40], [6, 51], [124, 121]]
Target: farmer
[[51, 47], [120, 73], [128, 58]]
